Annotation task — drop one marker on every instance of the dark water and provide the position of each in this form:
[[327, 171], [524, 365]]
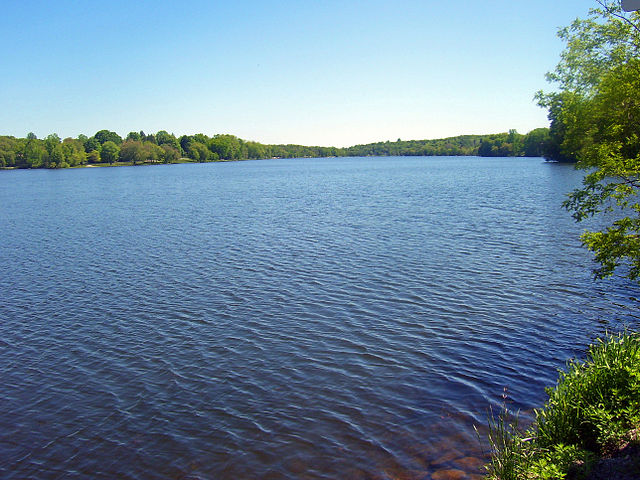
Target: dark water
[[338, 318]]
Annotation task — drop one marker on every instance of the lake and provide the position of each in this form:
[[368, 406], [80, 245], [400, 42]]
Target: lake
[[348, 318]]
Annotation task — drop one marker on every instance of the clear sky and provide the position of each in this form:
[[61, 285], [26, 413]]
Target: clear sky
[[308, 71]]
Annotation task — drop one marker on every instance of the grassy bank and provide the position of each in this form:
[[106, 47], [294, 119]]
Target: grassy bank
[[592, 413]]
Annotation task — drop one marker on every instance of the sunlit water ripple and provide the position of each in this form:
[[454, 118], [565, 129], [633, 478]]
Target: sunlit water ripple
[[336, 318]]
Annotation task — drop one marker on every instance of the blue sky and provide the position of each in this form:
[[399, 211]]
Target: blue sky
[[308, 72]]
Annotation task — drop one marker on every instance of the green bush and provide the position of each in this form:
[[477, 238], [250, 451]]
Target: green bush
[[595, 401], [590, 411]]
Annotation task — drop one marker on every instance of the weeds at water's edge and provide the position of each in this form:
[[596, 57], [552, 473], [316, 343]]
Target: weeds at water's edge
[[589, 414], [507, 443]]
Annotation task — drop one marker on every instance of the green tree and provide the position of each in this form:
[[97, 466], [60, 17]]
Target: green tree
[[597, 119], [256, 150], [91, 145], [185, 141], [153, 152], [33, 154], [170, 154], [132, 151], [9, 147], [110, 151], [201, 137], [134, 136], [51, 141], [165, 138], [227, 147], [54, 154], [74, 153], [139, 152], [93, 156], [56, 158], [199, 152], [535, 142], [107, 136]]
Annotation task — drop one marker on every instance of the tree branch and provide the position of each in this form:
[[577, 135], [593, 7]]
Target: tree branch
[[613, 13]]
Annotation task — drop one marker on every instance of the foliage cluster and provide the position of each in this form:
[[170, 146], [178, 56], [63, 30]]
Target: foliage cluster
[[108, 147], [599, 61], [510, 144], [590, 412], [595, 118]]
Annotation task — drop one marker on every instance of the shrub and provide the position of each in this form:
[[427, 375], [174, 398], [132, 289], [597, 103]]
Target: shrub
[[590, 412]]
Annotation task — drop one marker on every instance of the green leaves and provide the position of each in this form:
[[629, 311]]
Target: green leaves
[[594, 46], [596, 120], [614, 245], [110, 151], [590, 412], [594, 400]]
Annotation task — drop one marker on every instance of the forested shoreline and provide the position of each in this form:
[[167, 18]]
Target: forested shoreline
[[107, 147]]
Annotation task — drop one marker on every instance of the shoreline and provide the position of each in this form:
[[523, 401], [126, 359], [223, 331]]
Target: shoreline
[[191, 161]]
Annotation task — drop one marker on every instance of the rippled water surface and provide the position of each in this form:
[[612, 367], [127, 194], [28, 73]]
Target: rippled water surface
[[335, 318]]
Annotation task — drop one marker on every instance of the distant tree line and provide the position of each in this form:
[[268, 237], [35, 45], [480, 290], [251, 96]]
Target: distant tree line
[[107, 147], [511, 144]]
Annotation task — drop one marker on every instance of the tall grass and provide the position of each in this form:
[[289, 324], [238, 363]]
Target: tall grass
[[510, 458], [589, 413]]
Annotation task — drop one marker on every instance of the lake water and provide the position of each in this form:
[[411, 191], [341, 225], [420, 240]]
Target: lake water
[[284, 319]]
